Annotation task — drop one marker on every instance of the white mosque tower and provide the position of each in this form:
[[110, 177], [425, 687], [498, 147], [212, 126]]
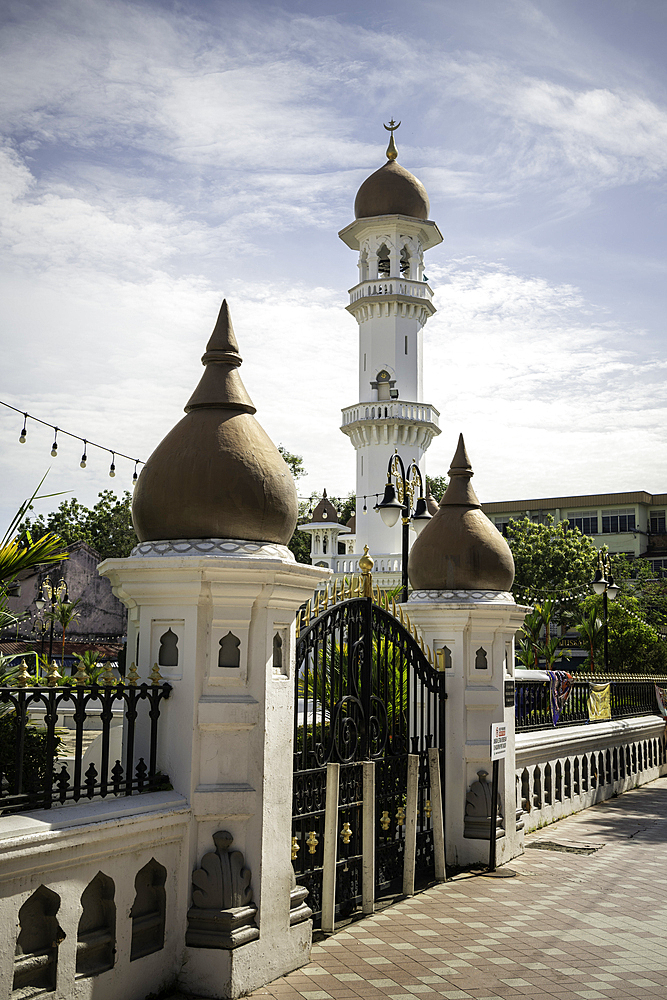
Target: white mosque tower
[[391, 303]]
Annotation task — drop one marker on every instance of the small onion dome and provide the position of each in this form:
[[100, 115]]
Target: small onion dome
[[460, 549], [325, 511], [216, 474], [431, 503], [391, 190], [352, 523]]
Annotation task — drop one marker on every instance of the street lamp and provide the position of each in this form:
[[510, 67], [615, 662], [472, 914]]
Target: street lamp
[[53, 595], [397, 502], [603, 584]]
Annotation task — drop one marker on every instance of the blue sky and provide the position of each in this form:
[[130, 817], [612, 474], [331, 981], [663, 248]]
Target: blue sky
[[156, 157]]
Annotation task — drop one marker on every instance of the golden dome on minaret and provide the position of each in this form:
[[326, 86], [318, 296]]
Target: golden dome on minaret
[[392, 190], [216, 474], [460, 549]]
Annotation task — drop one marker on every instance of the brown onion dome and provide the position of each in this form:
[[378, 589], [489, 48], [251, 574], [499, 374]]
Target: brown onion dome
[[460, 549], [216, 474], [391, 190], [325, 511]]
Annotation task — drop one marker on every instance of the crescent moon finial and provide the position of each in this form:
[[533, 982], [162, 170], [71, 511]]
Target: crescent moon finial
[[392, 151]]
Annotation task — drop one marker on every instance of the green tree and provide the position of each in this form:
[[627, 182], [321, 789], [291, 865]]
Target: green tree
[[295, 462], [633, 644], [64, 613], [551, 560], [107, 526], [437, 486]]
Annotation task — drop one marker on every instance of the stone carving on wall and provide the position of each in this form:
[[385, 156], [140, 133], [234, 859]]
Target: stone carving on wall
[[477, 824], [222, 914]]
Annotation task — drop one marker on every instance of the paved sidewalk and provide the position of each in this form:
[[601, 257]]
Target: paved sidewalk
[[586, 917]]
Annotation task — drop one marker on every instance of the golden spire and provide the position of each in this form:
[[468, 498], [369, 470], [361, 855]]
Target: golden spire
[[392, 152]]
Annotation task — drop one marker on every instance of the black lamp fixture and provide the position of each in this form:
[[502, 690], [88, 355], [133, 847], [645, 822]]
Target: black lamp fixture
[[397, 502], [604, 586]]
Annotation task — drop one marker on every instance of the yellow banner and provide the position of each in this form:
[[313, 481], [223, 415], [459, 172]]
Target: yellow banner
[[599, 702]]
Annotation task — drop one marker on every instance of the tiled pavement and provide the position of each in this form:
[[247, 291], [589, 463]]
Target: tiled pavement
[[570, 925]]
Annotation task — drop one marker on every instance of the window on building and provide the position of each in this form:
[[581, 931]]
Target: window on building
[[501, 524], [657, 522], [617, 521], [584, 520], [659, 567]]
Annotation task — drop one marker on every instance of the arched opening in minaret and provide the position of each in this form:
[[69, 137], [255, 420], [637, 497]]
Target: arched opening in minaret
[[405, 262], [384, 264], [363, 266]]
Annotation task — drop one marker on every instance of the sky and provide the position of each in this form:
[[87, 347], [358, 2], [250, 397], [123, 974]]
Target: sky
[[158, 157]]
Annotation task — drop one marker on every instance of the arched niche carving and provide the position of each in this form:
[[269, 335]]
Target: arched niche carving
[[481, 662], [40, 934], [148, 911], [230, 651], [277, 652], [168, 654], [96, 935]]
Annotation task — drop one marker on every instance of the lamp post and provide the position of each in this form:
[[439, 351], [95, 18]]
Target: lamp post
[[53, 595], [397, 501], [603, 584]]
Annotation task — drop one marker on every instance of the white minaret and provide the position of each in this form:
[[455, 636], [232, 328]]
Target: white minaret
[[391, 304]]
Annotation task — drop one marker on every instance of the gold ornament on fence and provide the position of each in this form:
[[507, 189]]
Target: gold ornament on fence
[[346, 833], [428, 809], [108, 679], [400, 815], [53, 676], [22, 676], [385, 820], [81, 676], [312, 842], [133, 675], [155, 678], [296, 847]]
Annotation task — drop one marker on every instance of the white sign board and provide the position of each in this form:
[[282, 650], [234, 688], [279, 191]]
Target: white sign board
[[498, 740]]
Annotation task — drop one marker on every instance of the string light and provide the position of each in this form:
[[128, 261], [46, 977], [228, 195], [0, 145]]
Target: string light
[[77, 437]]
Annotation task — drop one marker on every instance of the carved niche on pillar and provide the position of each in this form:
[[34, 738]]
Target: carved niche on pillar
[[222, 914], [477, 825]]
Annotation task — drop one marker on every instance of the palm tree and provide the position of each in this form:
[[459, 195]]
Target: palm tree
[[589, 627], [19, 552]]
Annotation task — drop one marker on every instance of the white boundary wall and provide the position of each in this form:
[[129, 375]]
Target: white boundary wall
[[63, 849], [563, 770]]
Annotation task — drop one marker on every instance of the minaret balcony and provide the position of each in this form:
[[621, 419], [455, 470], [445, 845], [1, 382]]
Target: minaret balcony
[[395, 422], [403, 287]]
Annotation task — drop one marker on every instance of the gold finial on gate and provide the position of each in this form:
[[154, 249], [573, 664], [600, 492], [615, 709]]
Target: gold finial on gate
[[296, 847], [306, 613], [22, 676], [155, 678], [400, 815], [366, 565], [346, 833], [312, 842], [428, 810], [385, 820], [108, 679], [53, 676], [132, 675]]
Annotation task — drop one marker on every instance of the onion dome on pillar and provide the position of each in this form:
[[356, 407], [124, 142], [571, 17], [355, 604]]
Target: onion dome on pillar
[[325, 511], [460, 549], [392, 190], [216, 474]]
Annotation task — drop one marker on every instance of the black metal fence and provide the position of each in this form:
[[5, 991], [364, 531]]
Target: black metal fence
[[629, 696], [36, 772]]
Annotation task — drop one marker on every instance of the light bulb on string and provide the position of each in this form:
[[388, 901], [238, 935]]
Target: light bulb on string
[[365, 510], [54, 446], [84, 457], [135, 476], [24, 430], [112, 467]]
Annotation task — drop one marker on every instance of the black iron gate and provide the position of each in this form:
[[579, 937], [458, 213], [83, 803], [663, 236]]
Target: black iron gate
[[366, 689]]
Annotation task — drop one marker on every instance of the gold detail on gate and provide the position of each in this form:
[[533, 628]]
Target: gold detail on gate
[[296, 847], [312, 842], [108, 679], [132, 675], [385, 821], [400, 815], [346, 833], [22, 678], [428, 809], [52, 675], [155, 678], [366, 566]]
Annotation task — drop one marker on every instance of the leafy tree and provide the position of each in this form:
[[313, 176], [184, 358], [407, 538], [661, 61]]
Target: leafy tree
[[295, 462], [437, 485], [64, 613], [633, 644], [21, 548], [107, 526], [551, 560], [636, 578], [535, 640]]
